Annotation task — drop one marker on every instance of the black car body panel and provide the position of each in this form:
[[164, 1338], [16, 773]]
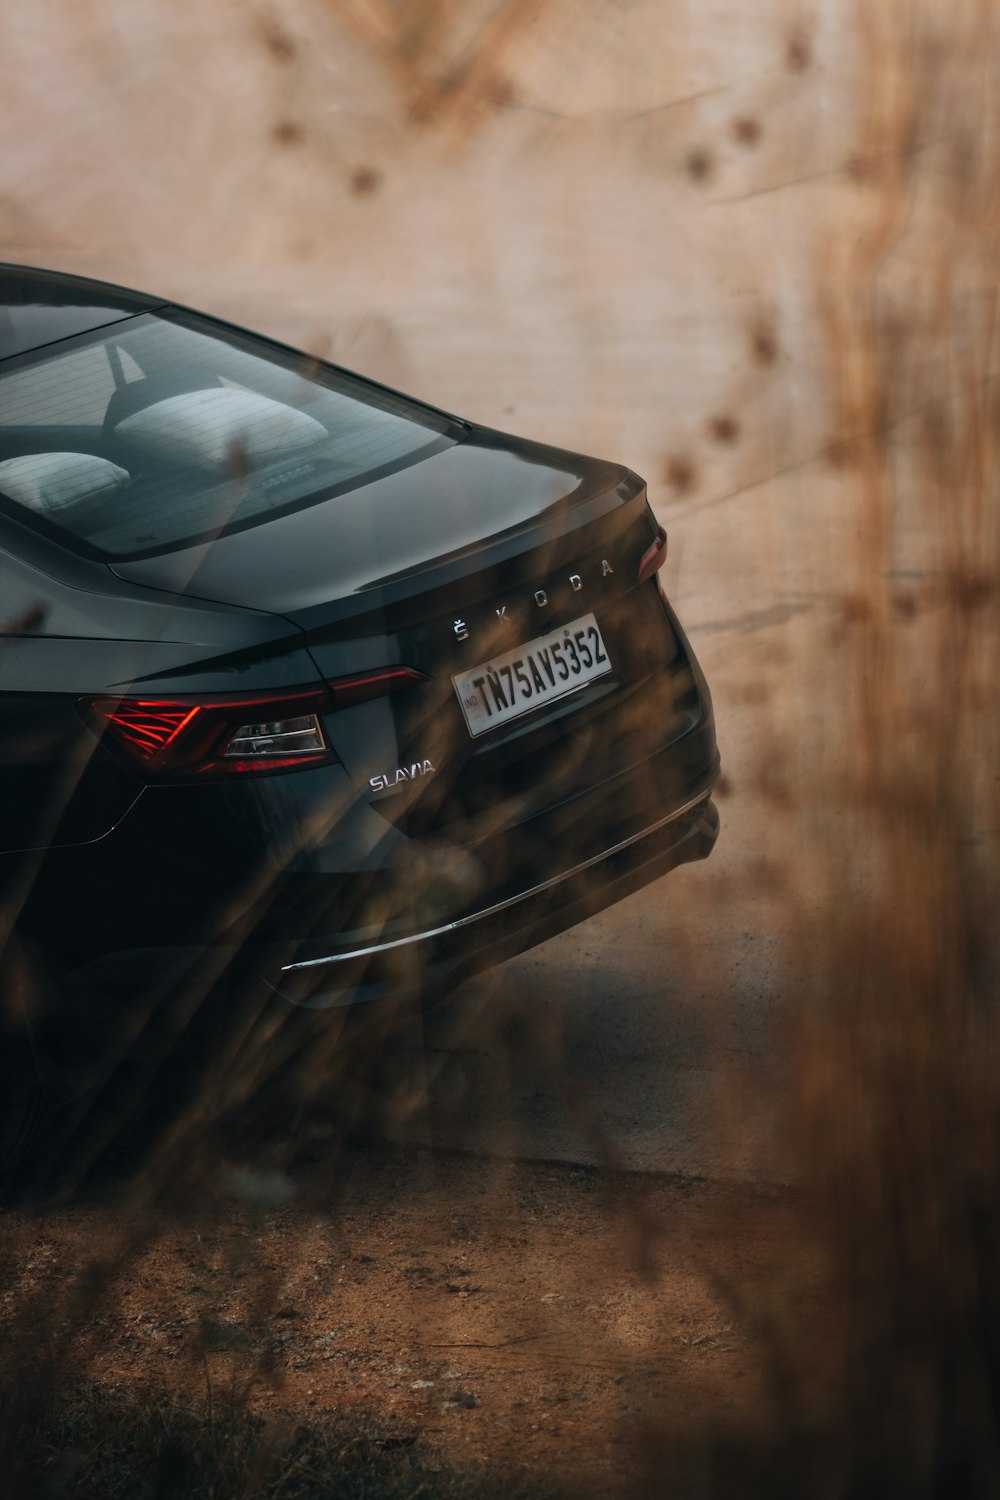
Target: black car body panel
[[42, 307], [412, 530], [413, 850]]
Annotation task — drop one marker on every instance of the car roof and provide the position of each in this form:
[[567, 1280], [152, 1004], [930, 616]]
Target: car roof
[[39, 307]]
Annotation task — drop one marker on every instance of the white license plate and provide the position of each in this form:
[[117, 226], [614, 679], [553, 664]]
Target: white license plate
[[527, 677]]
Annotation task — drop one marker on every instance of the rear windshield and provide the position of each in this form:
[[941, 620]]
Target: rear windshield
[[167, 429]]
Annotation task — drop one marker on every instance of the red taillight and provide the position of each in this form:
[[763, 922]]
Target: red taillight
[[654, 556], [348, 690], [148, 727], [216, 736], [191, 738]]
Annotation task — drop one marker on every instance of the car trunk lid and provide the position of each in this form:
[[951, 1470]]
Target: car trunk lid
[[479, 549]]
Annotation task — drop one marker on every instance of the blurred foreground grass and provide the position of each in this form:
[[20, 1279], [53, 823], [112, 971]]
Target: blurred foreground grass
[[153, 1448], [892, 1096]]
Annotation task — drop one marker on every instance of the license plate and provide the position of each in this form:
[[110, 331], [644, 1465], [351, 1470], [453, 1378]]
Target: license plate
[[545, 669]]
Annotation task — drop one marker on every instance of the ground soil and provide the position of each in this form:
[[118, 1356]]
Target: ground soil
[[506, 1313]]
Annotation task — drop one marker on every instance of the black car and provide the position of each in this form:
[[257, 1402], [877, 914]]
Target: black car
[[301, 673]]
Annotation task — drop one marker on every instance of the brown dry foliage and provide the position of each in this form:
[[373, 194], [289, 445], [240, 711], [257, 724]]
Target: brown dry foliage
[[893, 1093]]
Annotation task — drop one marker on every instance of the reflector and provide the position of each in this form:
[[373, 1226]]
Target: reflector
[[654, 556]]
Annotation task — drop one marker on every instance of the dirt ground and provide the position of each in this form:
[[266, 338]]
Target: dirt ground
[[508, 1314]]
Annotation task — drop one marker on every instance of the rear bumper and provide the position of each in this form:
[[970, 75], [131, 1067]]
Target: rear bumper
[[444, 910], [432, 961], [425, 963], [201, 880]]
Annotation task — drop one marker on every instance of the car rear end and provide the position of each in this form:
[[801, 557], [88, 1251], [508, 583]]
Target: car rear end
[[464, 716], [581, 769], [424, 837]]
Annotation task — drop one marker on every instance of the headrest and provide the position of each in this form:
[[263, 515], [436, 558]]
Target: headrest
[[220, 430], [54, 482]]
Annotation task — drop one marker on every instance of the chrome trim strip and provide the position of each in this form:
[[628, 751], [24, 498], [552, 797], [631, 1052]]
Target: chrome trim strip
[[490, 911]]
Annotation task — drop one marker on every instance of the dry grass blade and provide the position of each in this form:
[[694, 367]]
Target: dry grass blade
[[259, 1278]]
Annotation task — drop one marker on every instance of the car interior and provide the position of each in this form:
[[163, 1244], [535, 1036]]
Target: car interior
[[156, 433]]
